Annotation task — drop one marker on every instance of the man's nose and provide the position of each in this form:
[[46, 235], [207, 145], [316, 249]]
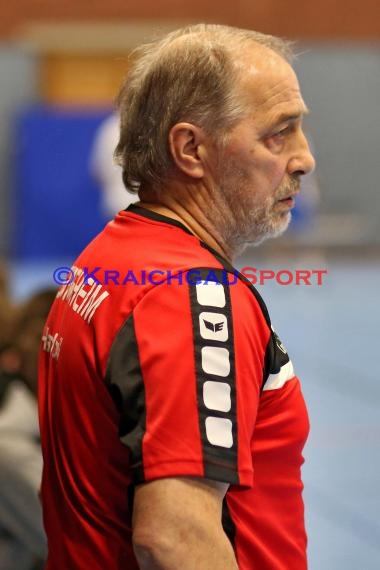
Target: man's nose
[[302, 161]]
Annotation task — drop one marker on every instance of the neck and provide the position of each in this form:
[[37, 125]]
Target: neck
[[194, 208]]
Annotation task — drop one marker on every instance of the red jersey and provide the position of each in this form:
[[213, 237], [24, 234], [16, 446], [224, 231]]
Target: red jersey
[[159, 360]]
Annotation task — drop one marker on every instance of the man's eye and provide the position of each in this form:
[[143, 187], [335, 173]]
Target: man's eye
[[281, 133], [277, 140]]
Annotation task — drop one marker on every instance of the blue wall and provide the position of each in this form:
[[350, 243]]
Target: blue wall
[[56, 197]]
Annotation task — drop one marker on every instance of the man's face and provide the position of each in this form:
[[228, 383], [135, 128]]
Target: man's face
[[260, 166]]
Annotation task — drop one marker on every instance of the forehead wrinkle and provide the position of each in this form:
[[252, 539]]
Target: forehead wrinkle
[[277, 101], [269, 88], [289, 109], [262, 87], [282, 87]]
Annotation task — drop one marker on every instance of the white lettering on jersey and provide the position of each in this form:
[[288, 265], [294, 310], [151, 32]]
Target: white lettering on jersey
[[84, 297], [51, 343]]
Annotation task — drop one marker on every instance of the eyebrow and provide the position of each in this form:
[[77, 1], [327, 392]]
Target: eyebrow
[[285, 117]]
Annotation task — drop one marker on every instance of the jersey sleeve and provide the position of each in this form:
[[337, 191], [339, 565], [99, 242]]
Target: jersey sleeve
[[186, 369]]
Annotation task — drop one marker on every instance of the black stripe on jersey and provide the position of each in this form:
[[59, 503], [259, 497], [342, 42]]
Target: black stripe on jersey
[[231, 269], [274, 356], [278, 355], [125, 383], [220, 461]]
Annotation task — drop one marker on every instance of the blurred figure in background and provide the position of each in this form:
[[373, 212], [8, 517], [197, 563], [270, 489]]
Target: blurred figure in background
[[107, 173], [23, 543], [9, 358], [7, 309]]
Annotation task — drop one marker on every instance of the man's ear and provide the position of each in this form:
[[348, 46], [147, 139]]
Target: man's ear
[[186, 143]]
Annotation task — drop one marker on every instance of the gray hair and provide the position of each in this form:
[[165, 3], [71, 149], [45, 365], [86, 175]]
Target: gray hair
[[188, 75]]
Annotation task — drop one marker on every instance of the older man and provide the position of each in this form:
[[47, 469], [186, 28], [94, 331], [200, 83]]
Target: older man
[[172, 421]]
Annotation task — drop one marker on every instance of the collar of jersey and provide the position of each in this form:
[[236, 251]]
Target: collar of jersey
[[166, 220], [157, 217]]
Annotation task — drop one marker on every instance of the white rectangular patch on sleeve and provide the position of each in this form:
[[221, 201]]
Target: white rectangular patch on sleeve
[[215, 360], [219, 431], [217, 396], [210, 293]]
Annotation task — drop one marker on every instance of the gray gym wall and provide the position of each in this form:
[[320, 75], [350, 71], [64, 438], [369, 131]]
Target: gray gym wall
[[341, 85], [18, 87]]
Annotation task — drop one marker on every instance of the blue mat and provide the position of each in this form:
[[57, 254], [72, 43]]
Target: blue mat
[[56, 203]]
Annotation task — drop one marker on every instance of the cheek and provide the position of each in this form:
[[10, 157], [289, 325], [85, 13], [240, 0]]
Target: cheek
[[269, 172], [256, 165]]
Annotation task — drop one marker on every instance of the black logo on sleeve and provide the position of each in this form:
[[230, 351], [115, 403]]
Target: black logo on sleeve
[[213, 327]]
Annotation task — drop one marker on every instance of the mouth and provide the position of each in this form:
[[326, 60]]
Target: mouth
[[288, 201]]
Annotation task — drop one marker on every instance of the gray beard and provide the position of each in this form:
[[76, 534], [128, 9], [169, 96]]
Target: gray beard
[[259, 231], [241, 222]]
